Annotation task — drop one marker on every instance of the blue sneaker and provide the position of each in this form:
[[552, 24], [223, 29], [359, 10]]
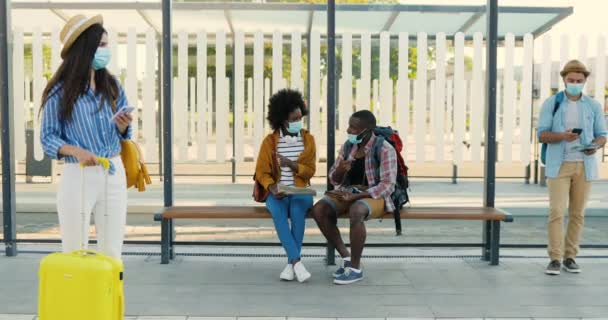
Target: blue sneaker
[[349, 276], [340, 271]]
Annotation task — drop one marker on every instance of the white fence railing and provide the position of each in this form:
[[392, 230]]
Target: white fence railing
[[439, 114]]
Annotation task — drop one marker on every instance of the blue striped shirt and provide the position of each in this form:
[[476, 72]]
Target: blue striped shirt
[[90, 128]]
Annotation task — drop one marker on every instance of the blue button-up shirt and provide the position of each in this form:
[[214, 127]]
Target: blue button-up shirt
[[90, 128], [591, 121]]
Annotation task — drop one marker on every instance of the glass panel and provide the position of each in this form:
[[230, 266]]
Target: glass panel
[[119, 20], [430, 22], [516, 23], [30, 19], [36, 57], [269, 21]]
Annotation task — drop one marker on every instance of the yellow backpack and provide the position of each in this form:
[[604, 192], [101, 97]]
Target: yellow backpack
[[135, 168]]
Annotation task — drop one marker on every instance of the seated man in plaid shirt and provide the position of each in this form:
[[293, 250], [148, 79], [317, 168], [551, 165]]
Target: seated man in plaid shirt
[[364, 175]]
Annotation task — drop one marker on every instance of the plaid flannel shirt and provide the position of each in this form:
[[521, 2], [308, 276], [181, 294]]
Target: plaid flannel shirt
[[388, 172]]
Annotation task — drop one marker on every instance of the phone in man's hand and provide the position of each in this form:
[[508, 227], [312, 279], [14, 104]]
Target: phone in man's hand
[[577, 131]]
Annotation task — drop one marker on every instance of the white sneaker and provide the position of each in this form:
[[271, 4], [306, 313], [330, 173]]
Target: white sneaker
[[287, 273], [301, 273]]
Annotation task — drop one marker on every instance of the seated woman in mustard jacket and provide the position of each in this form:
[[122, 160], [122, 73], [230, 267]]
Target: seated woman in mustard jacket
[[287, 157]]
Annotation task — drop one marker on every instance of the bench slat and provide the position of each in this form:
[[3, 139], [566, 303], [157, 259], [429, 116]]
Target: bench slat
[[257, 212]]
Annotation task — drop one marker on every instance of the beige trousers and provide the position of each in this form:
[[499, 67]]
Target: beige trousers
[[569, 190]]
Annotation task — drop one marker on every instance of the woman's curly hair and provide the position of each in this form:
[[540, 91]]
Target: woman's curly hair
[[281, 104]]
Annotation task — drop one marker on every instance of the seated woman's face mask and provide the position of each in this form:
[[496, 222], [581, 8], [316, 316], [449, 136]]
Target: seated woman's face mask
[[295, 127]]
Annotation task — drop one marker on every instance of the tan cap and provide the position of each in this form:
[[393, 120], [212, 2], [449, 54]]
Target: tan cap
[[74, 28], [575, 66]]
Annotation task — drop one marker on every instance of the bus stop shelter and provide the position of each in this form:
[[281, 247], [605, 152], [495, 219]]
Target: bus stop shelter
[[166, 16]]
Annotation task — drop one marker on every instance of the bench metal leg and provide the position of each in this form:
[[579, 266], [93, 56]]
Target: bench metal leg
[[495, 245], [543, 178], [165, 240], [398, 229], [487, 236], [172, 242], [330, 255]]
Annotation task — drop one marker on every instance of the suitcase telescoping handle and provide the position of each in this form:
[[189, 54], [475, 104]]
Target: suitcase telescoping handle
[[105, 163]]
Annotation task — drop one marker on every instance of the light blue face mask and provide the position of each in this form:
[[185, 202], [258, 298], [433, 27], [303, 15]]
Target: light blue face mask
[[352, 138], [101, 58], [574, 89], [295, 127]]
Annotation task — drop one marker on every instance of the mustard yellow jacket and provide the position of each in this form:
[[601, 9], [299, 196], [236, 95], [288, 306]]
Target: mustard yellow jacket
[[267, 171]]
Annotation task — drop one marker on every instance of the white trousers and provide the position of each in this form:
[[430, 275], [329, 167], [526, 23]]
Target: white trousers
[[100, 199]]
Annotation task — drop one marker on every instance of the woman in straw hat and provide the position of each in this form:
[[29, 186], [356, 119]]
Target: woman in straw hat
[[83, 120]]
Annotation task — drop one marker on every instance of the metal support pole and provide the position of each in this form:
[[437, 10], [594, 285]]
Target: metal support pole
[[167, 124], [8, 146], [490, 156], [159, 81], [454, 174], [167, 103], [308, 75], [234, 116], [331, 103], [533, 136]]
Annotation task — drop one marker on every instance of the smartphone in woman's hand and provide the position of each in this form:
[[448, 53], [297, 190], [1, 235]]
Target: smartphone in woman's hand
[[122, 111]]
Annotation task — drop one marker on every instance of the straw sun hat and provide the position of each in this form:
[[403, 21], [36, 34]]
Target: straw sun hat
[[74, 28], [575, 66]]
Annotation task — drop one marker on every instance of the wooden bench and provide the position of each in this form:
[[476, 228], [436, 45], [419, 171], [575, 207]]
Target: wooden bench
[[491, 236]]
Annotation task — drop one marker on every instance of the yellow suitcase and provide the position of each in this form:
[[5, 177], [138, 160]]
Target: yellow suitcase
[[80, 285]]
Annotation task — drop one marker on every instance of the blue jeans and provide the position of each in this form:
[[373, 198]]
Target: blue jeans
[[292, 207]]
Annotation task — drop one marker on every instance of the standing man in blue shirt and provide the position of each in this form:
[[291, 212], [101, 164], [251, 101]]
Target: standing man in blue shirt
[[573, 127]]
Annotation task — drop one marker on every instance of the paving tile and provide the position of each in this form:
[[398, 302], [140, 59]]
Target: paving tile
[[211, 318], [261, 318], [162, 318], [17, 316]]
